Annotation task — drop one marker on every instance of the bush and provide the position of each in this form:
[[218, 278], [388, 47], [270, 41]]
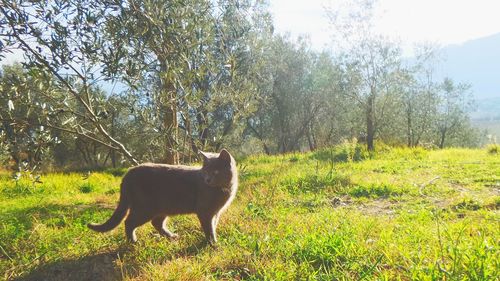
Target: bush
[[492, 148], [376, 191], [117, 172], [87, 188], [348, 151]]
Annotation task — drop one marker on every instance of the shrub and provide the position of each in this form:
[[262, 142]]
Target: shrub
[[348, 151], [87, 188], [467, 205], [492, 148], [376, 191], [117, 172]]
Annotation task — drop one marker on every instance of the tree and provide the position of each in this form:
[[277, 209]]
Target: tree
[[419, 95], [454, 103], [194, 55], [180, 65], [371, 69], [371, 63], [159, 39], [62, 40], [22, 116], [279, 110], [292, 98]]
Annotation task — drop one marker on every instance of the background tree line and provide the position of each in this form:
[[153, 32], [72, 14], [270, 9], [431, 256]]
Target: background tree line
[[112, 82]]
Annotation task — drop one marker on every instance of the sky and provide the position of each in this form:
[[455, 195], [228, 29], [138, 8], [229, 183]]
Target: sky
[[443, 22]]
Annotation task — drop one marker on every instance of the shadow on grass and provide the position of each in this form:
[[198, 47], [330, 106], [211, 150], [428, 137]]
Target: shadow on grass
[[95, 267], [115, 264], [19, 226], [103, 266]]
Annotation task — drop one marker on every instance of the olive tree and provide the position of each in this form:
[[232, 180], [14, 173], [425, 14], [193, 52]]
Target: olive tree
[[62, 43]]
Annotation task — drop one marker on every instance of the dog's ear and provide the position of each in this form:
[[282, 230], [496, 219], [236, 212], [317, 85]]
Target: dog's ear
[[224, 155], [204, 155]]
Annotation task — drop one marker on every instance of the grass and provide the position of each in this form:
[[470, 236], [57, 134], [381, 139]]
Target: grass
[[335, 214]]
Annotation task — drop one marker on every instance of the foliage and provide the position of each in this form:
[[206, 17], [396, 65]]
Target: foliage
[[114, 83], [453, 107], [493, 148], [348, 151], [175, 65], [25, 136], [61, 42]]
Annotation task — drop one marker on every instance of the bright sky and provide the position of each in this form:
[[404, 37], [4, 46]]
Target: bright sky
[[439, 21]]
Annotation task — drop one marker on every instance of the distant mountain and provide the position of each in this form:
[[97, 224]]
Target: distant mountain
[[477, 62]]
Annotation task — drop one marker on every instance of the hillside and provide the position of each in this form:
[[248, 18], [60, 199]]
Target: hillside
[[403, 214], [476, 62]]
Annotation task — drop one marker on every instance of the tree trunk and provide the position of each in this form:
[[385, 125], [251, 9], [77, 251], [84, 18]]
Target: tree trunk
[[260, 137], [441, 141], [266, 148], [170, 121], [311, 139], [409, 127], [370, 123], [202, 127]]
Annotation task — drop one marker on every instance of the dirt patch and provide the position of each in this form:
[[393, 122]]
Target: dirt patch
[[466, 198], [373, 207]]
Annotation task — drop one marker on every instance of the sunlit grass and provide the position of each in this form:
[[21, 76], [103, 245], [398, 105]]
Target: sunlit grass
[[335, 214]]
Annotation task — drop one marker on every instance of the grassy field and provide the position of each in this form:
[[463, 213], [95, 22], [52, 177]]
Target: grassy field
[[335, 214]]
